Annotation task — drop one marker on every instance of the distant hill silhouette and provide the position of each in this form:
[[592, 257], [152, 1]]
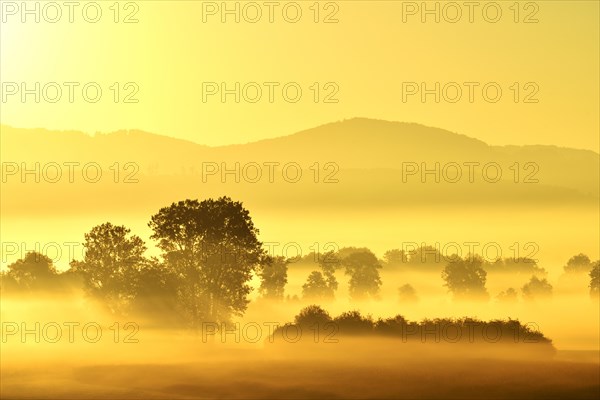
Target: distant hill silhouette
[[368, 152]]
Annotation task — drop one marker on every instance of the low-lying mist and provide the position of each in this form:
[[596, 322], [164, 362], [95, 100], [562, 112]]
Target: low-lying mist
[[99, 355], [214, 314]]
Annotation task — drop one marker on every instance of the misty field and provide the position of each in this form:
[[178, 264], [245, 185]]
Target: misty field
[[151, 362], [339, 374]]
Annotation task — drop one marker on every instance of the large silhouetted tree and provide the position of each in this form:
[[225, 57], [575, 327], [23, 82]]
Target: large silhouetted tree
[[363, 269], [213, 246], [465, 278], [273, 275], [156, 294], [111, 265]]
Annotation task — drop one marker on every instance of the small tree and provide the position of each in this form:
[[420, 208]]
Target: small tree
[[507, 296], [395, 257], [536, 288], [273, 275], [407, 294], [352, 322], [595, 280], [329, 263], [363, 268], [465, 278], [426, 256], [35, 271], [312, 315], [518, 266], [579, 263], [317, 287]]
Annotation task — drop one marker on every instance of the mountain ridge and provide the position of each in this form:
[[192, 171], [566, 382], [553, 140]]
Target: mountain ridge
[[302, 133], [353, 144]]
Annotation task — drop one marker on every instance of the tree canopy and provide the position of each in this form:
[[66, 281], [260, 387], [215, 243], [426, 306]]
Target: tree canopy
[[213, 247], [465, 278]]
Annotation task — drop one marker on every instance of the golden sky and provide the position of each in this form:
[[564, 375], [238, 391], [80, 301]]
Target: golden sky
[[176, 47]]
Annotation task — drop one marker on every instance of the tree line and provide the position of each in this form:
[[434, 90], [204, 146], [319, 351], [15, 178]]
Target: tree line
[[314, 324], [209, 253]]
